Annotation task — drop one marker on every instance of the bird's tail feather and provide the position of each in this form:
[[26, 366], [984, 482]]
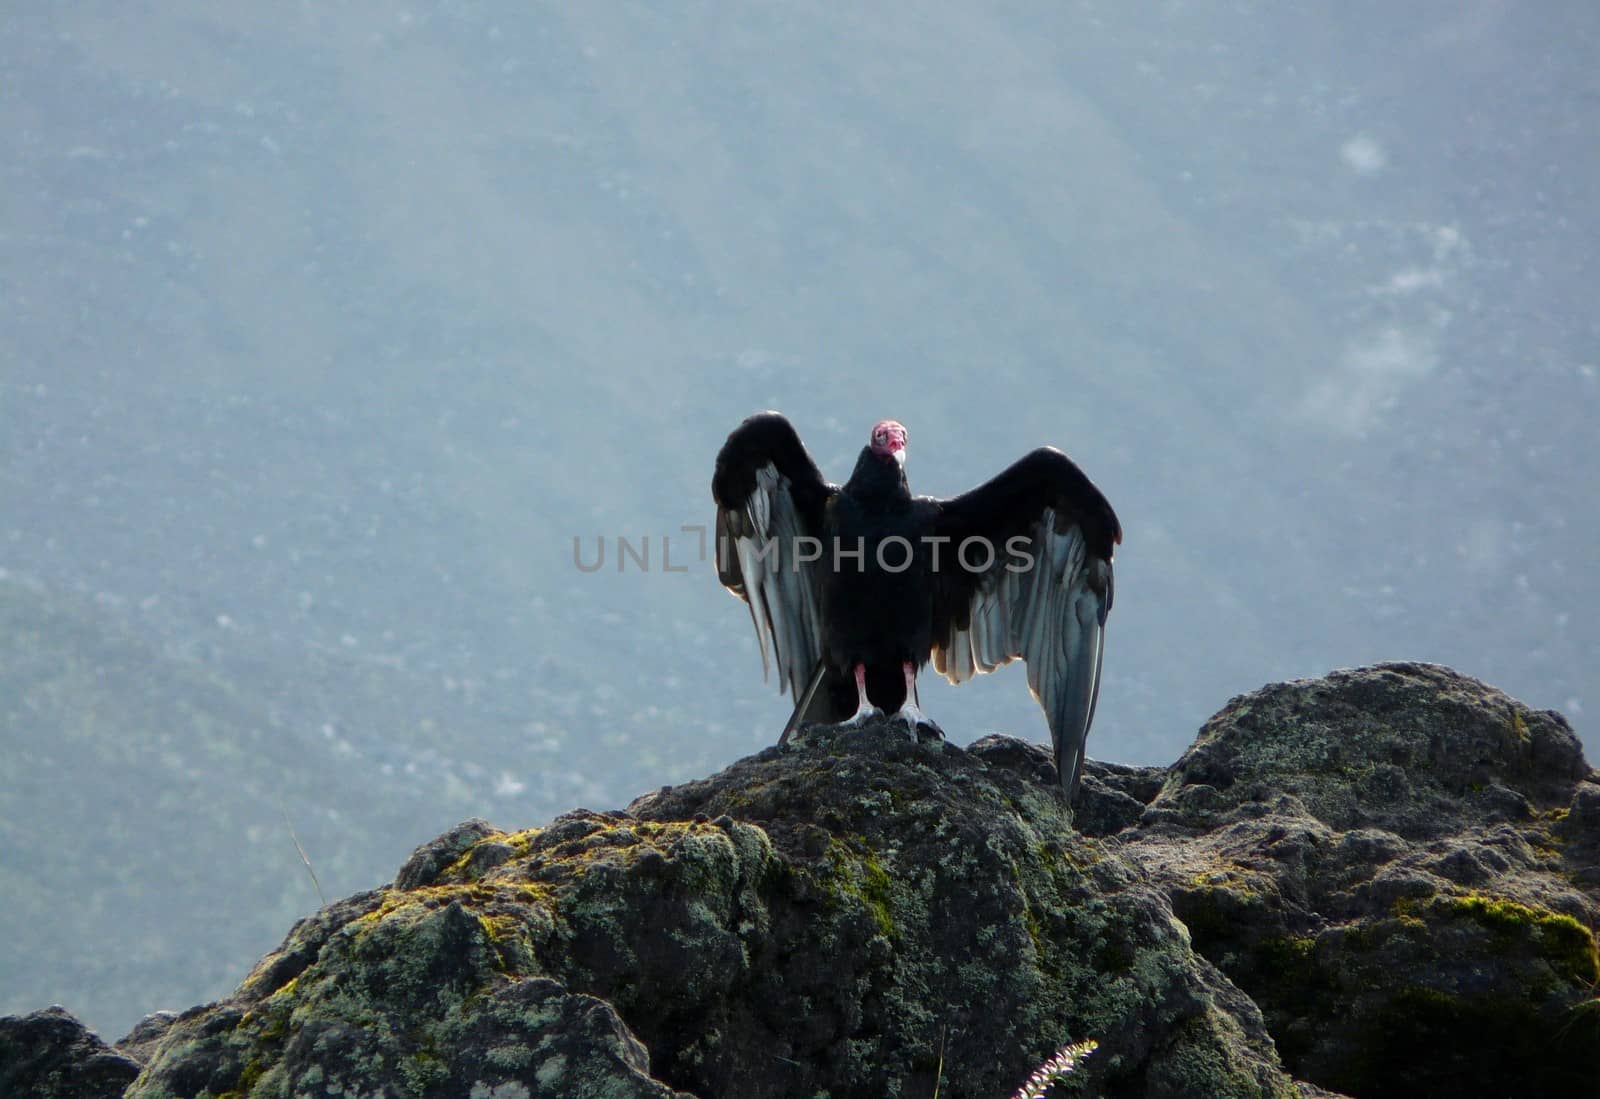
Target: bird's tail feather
[[803, 702]]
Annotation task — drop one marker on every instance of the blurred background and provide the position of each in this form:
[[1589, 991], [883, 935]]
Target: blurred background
[[328, 327]]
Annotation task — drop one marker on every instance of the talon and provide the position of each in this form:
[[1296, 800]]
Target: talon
[[862, 717], [913, 716]]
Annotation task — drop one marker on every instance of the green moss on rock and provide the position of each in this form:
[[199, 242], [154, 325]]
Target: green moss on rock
[[1367, 859], [880, 901], [1560, 939]]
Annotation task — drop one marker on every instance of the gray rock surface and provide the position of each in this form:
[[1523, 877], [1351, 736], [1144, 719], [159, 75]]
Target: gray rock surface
[[856, 914], [1398, 864], [1384, 882], [49, 1054]]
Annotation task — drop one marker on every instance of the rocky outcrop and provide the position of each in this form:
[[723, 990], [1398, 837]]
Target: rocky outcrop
[[50, 1055], [856, 914], [1381, 882], [1401, 867]]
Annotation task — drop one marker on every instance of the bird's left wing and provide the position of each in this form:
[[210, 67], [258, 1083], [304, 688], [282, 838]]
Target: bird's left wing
[[771, 500], [1024, 570]]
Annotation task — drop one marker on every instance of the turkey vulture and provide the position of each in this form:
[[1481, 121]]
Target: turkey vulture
[[853, 587]]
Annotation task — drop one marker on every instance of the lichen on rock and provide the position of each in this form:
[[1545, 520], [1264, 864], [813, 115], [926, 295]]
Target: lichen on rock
[[855, 914], [1378, 883], [1382, 859]]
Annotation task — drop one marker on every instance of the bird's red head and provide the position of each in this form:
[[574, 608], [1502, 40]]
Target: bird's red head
[[889, 440]]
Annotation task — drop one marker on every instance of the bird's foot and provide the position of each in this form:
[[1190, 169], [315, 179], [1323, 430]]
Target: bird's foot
[[864, 716], [918, 722]]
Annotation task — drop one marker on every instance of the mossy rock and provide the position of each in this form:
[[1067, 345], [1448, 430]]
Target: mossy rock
[[1439, 940], [880, 917], [1387, 877], [1416, 749]]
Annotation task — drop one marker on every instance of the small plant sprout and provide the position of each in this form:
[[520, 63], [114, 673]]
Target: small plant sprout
[[1059, 1066]]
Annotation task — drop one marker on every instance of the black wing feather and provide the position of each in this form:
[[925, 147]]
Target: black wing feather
[[769, 492], [1043, 595]]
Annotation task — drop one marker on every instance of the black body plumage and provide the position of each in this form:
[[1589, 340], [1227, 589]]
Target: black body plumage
[[868, 574]]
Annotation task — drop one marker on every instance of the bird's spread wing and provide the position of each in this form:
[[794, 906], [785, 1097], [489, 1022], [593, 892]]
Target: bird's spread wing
[[1026, 572], [770, 504]]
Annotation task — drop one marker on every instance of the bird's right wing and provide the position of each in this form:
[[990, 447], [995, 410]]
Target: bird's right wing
[[771, 500], [1031, 578]]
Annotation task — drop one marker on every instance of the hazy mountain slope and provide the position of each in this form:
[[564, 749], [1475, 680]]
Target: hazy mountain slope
[[135, 778], [329, 328]]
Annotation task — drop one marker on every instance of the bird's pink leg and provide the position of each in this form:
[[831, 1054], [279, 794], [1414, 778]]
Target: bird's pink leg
[[910, 713], [865, 710]]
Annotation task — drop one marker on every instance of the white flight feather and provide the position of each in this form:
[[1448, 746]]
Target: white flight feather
[[754, 579], [1048, 612], [782, 596]]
